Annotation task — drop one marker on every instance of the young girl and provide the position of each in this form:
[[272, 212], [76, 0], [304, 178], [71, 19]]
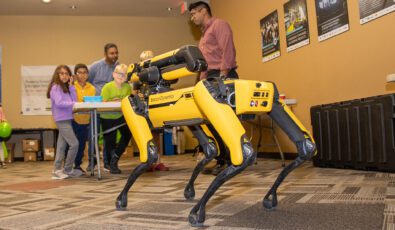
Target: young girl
[[63, 96], [115, 90]]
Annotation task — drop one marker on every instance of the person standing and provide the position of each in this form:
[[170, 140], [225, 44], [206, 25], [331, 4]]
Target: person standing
[[115, 90], [63, 96], [81, 121], [100, 73], [217, 47], [216, 43]]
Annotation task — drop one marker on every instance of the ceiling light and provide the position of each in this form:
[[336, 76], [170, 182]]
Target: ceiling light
[[46, 1], [73, 7], [169, 9]]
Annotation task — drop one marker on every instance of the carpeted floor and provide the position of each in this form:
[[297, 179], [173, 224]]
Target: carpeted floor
[[310, 198]]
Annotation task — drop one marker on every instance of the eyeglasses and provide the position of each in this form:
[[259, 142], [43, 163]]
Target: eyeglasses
[[82, 73], [121, 74], [64, 73]]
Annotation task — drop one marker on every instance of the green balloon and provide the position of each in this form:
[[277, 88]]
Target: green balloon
[[5, 129]]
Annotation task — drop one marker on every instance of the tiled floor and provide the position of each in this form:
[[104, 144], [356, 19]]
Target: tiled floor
[[309, 198]]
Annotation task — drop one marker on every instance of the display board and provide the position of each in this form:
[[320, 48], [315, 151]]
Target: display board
[[35, 80]]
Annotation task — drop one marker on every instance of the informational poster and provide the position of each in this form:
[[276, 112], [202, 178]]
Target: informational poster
[[372, 9], [296, 24], [332, 18], [35, 80], [270, 37]]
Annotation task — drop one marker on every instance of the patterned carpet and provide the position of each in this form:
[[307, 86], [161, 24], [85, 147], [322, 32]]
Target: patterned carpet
[[310, 198]]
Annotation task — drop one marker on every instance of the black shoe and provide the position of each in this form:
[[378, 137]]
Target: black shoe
[[114, 165], [107, 167], [217, 169]]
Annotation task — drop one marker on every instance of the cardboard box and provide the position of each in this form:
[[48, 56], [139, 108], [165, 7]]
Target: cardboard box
[[30, 145], [49, 154], [30, 156], [11, 152]]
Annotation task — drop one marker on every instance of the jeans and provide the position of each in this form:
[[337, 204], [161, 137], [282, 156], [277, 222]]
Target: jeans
[[110, 138], [66, 137], [82, 133]]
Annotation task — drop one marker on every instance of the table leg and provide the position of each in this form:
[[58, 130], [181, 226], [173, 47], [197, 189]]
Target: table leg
[[97, 144], [92, 143]]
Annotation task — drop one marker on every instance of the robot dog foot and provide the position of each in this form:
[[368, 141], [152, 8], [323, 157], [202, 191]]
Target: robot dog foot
[[197, 216], [121, 203], [189, 192], [270, 200]]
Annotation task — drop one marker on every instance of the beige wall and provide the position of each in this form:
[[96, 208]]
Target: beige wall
[[351, 65], [40, 40]]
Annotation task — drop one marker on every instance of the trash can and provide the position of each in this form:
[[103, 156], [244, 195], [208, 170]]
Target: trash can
[[168, 147]]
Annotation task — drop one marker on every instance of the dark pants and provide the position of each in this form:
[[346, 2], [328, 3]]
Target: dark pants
[[224, 155], [82, 134], [110, 139], [232, 74]]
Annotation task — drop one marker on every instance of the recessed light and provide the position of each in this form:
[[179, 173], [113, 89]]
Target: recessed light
[[46, 1]]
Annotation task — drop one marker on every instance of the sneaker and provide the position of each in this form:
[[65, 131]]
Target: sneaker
[[59, 175], [114, 165], [79, 168], [161, 167], [74, 173], [106, 167]]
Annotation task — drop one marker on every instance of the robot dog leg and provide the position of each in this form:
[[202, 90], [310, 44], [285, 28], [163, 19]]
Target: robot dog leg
[[133, 111], [210, 151], [232, 132], [304, 142]]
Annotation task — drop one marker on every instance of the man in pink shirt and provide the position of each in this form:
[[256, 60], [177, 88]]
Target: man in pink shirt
[[216, 42], [217, 47]]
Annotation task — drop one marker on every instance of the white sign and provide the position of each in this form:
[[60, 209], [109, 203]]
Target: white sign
[[35, 80]]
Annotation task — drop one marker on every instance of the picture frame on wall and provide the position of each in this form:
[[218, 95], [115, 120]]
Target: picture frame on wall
[[372, 9], [270, 37], [296, 24], [332, 18]]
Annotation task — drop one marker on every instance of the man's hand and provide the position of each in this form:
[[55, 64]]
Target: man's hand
[[223, 73]]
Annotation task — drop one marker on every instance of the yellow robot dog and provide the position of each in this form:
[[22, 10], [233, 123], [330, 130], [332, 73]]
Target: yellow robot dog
[[212, 101]]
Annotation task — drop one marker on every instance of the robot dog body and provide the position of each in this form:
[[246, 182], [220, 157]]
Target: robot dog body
[[212, 101]]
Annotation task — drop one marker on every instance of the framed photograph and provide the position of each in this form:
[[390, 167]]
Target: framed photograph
[[332, 18], [296, 24], [270, 37], [372, 9]]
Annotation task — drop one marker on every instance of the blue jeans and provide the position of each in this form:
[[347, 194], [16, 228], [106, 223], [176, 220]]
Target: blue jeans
[[82, 134]]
